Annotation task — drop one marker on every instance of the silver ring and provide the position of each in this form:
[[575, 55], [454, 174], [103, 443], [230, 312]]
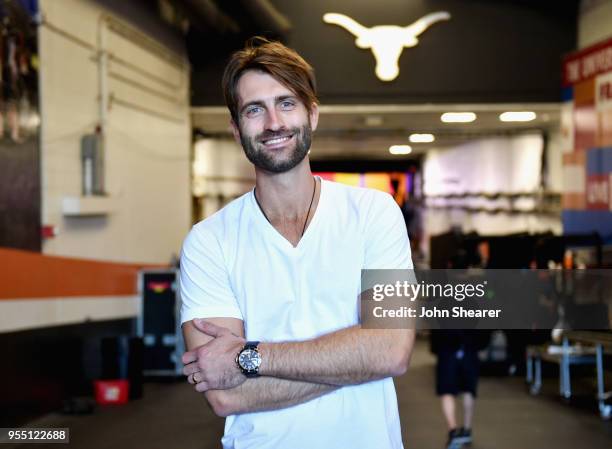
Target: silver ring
[[193, 378]]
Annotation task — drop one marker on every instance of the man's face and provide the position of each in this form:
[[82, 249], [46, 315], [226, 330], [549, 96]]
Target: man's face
[[275, 128]]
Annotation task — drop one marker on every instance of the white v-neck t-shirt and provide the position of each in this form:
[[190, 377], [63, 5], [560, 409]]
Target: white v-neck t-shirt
[[236, 264]]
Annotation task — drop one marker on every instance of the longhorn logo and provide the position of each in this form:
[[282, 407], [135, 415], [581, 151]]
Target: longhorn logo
[[386, 41]]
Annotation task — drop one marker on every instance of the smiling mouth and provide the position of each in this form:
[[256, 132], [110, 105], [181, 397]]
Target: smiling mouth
[[277, 140]]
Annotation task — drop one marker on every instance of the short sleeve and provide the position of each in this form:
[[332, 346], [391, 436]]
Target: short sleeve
[[204, 280], [387, 245]]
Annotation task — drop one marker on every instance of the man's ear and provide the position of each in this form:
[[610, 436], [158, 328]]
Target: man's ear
[[314, 116], [235, 131]]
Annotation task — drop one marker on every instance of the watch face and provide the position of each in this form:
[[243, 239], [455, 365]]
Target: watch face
[[249, 360]]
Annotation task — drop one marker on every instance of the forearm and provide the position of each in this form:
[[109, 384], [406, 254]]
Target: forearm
[[348, 356], [264, 393]]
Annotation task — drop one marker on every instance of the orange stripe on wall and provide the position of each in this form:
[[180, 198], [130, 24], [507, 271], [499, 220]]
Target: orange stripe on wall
[[584, 92], [26, 274], [604, 139], [575, 158], [574, 201]]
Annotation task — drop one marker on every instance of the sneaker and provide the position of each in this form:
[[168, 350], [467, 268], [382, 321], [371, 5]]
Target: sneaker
[[464, 436], [453, 442]]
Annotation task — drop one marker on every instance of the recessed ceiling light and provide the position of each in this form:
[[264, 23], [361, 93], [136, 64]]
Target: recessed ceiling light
[[458, 117], [517, 116], [421, 138], [374, 120], [400, 149]]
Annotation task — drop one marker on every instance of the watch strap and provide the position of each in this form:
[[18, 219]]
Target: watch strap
[[250, 345]]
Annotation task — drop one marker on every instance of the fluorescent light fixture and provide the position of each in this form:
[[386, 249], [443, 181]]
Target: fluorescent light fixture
[[400, 149], [421, 138], [517, 116], [458, 117]]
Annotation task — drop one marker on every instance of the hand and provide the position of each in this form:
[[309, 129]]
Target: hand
[[212, 366]]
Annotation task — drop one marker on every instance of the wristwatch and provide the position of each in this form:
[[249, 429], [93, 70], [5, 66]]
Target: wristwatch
[[249, 359]]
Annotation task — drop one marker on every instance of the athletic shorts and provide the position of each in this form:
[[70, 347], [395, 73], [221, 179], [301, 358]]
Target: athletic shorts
[[457, 373]]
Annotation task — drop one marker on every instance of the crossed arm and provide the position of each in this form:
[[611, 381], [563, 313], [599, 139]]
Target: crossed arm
[[255, 394], [293, 372]]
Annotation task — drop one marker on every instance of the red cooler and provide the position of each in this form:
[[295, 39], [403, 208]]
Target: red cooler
[[112, 391]]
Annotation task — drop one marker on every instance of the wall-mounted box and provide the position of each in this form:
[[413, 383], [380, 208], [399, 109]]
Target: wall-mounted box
[[78, 206]]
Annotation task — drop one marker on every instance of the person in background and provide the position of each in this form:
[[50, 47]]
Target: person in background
[[457, 372]]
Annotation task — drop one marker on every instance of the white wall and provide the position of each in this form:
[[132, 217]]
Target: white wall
[[506, 165], [22, 314], [595, 22], [221, 172], [554, 156], [439, 221], [147, 135], [488, 165]]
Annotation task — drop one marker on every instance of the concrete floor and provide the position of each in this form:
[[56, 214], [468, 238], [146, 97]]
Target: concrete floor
[[173, 416]]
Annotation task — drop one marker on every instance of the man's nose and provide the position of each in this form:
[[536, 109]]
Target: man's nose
[[273, 120]]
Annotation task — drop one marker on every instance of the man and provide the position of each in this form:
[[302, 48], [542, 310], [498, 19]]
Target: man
[[276, 276], [457, 373]]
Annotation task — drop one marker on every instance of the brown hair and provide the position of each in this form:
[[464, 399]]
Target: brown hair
[[275, 59]]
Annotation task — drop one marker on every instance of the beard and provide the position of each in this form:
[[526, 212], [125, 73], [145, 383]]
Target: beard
[[267, 160]]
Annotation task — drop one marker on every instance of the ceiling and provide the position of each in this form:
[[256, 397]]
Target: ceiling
[[367, 131], [363, 131]]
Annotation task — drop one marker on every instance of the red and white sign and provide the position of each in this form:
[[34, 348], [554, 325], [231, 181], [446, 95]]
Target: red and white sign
[[603, 92], [598, 192], [587, 63]]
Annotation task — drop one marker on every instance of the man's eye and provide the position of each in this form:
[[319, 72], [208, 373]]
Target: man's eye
[[253, 111], [287, 104]]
